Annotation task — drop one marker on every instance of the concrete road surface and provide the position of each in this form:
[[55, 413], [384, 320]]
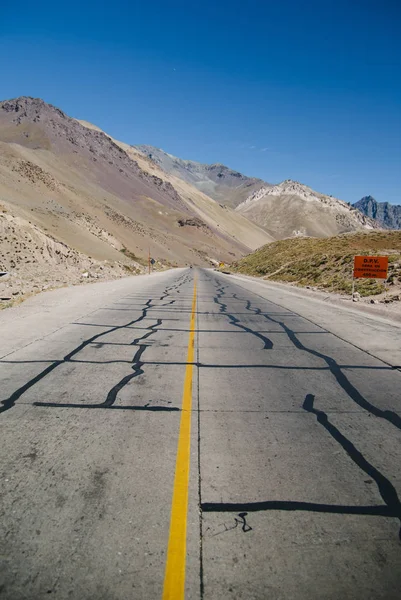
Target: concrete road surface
[[228, 440]]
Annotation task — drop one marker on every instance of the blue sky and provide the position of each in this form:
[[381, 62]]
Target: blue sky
[[307, 90]]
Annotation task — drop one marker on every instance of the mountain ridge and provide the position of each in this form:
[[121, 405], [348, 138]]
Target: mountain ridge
[[87, 188], [284, 210], [388, 215], [223, 184], [291, 209]]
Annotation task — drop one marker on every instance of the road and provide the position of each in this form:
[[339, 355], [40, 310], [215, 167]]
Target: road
[[158, 434]]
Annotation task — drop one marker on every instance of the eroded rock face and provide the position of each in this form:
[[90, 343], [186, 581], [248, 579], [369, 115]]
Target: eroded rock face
[[387, 215], [34, 261]]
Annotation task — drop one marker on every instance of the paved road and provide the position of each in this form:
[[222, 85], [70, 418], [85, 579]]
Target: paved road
[[292, 435]]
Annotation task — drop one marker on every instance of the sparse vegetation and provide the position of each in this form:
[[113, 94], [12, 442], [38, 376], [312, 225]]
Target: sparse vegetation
[[325, 263], [138, 259]]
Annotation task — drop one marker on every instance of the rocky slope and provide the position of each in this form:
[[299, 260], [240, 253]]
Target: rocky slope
[[292, 209], [217, 181], [33, 261], [284, 210], [387, 215], [89, 192], [219, 218]]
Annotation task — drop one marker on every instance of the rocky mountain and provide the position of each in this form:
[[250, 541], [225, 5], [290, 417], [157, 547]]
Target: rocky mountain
[[76, 203], [219, 182], [291, 209], [105, 200], [285, 210], [388, 215]]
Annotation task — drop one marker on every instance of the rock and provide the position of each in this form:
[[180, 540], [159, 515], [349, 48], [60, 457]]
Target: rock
[[356, 297], [390, 299], [192, 222], [86, 274], [374, 301]]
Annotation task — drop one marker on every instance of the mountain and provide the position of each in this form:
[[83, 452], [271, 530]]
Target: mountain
[[75, 202], [386, 214], [285, 210], [291, 209], [227, 223], [217, 181], [104, 199]]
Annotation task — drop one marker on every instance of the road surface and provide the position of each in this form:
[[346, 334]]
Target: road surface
[[158, 435]]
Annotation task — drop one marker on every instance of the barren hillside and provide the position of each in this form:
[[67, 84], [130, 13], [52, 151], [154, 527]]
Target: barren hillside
[[220, 218], [291, 209], [87, 191], [216, 181], [34, 262]]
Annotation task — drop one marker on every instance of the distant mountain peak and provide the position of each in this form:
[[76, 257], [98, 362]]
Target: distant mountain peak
[[293, 208], [288, 187], [216, 180], [27, 106], [388, 215]]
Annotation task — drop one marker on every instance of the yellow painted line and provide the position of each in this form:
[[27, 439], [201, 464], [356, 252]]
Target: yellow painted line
[[174, 578]]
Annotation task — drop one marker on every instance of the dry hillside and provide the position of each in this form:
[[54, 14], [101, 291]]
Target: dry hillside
[[327, 263], [88, 192], [219, 218], [35, 261], [217, 181], [291, 209]]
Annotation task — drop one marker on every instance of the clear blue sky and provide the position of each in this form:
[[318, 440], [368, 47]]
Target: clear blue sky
[[308, 90]]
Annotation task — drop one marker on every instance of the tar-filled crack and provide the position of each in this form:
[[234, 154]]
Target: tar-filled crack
[[137, 363], [240, 521], [392, 506], [201, 572], [335, 370], [386, 489], [267, 343]]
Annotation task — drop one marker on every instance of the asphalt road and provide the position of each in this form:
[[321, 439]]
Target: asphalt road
[[291, 433]]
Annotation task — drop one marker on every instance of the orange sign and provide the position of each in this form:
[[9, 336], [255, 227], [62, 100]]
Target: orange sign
[[372, 267]]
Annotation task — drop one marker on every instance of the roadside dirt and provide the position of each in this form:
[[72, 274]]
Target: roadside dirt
[[34, 261]]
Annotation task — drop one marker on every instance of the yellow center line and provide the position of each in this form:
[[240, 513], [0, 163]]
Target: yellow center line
[[174, 578]]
